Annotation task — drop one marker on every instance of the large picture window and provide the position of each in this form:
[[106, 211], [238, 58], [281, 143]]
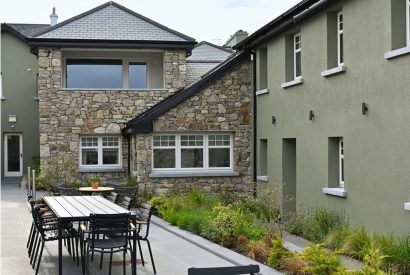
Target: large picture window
[[105, 74], [100, 152], [192, 152]]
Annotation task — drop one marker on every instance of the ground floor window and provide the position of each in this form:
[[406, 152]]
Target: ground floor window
[[100, 152], [192, 152], [341, 163]]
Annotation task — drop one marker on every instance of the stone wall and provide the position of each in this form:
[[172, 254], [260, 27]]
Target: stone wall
[[65, 114], [224, 106]]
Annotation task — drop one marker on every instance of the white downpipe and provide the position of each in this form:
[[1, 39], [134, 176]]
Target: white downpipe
[[28, 181], [34, 185]]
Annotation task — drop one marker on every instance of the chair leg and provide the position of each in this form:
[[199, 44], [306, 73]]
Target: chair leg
[[123, 261], [101, 259], [87, 261], [30, 235], [109, 272], [33, 242], [41, 254], [76, 248], [142, 257], [152, 258], [36, 253]]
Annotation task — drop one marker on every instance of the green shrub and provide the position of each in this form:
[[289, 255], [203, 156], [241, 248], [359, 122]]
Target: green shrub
[[321, 261], [397, 252], [336, 238], [75, 185], [320, 223], [373, 260], [132, 181], [277, 254], [157, 201], [357, 243], [295, 224]]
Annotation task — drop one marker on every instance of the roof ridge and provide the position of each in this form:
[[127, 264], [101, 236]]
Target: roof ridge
[[114, 4], [213, 45]]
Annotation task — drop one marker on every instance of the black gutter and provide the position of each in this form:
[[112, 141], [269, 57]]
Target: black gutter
[[292, 17], [143, 123], [129, 156], [89, 43]]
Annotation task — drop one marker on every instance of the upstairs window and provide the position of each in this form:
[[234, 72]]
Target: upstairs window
[[400, 24], [408, 21], [297, 56], [340, 52], [341, 163], [105, 74]]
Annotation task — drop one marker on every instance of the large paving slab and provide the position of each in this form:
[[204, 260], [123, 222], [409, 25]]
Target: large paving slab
[[172, 254]]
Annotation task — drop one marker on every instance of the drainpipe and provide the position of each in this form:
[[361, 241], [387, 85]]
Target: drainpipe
[[129, 155], [254, 118]]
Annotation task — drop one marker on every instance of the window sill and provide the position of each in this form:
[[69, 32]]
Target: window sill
[[397, 53], [2, 98], [262, 92], [294, 82], [113, 89], [100, 170], [262, 178], [187, 174], [333, 71], [407, 206], [338, 191]]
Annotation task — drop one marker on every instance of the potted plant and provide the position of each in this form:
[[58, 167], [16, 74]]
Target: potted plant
[[95, 182]]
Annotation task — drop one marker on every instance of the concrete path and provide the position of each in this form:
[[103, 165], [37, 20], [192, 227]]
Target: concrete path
[[172, 254]]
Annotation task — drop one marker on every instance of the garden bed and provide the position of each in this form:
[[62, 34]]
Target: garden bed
[[252, 227]]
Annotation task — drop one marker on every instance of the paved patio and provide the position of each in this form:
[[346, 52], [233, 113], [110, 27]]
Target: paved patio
[[173, 255]]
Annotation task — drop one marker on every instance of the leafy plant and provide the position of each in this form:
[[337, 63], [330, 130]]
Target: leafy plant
[[60, 169], [373, 260], [397, 252], [277, 254], [295, 224], [95, 179], [75, 185], [336, 238], [131, 181], [320, 223], [258, 250], [295, 265], [321, 261], [357, 243], [242, 244]]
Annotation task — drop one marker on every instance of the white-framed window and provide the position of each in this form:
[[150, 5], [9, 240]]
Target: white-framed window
[[297, 55], [192, 152], [408, 21], [1, 85], [341, 163], [100, 152], [340, 49]]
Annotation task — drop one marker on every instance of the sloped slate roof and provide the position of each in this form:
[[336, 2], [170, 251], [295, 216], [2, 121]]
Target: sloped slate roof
[[112, 21], [205, 56], [27, 29], [143, 123], [205, 51]]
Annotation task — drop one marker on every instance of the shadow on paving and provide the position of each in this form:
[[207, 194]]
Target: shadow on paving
[[172, 255]]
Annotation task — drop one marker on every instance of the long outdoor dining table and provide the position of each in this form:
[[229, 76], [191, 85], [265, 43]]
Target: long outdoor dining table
[[79, 208]]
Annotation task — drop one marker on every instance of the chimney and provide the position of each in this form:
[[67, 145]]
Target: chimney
[[236, 38], [53, 17]]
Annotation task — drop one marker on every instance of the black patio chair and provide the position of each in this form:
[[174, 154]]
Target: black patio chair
[[231, 270], [113, 197], [144, 214], [107, 225], [67, 191], [124, 191], [46, 230], [127, 202], [55, 188]]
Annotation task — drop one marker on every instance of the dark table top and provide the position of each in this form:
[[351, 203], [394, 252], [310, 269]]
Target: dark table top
[[80, 207]]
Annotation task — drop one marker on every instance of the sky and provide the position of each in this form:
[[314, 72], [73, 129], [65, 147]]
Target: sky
[[210, 20]]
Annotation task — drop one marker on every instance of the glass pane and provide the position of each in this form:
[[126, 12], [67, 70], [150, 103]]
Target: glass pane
[[110, 156], [137, 76], [219, 140], [110, 141], [298, 65], [191, 140], [90, 73], [191, 158], [219, 157], [342, 170], [89, 157], [13, 153], [89, 142], [164, 158]]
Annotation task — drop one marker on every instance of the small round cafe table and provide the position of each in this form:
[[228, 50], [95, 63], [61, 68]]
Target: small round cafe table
[[96, 191]]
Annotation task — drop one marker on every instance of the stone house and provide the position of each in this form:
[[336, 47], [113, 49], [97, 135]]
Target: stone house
[[104, 71]]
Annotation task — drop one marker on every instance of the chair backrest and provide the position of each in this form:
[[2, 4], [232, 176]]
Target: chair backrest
[[113, 196], [109, 224], [231, 270], [66, 191], [144, 214], [124, 191], [55, 188], [127, 202]]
